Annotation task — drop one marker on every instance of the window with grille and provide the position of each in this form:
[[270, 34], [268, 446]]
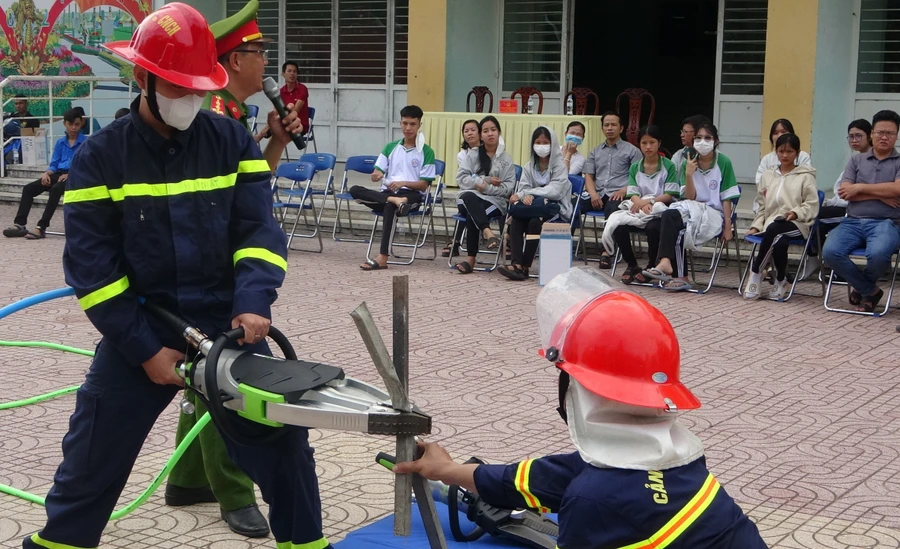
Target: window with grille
[[267, 19], [362, 41], [401, 39], [532, 44], [744, 47], [307, 39], [878, 67]]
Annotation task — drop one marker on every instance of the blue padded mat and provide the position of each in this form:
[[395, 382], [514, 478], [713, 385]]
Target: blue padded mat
[[381, 534]]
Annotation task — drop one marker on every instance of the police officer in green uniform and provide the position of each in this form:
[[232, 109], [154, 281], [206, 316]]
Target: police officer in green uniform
[[205, 473]]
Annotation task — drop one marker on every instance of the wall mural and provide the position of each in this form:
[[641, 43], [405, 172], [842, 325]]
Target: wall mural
[[64, 38]]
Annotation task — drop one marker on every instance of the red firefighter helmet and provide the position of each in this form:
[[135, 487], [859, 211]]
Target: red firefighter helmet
[[622, 348], [175, 44]]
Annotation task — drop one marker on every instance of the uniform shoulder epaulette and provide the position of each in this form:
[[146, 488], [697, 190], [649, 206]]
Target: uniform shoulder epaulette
[[217, 105]]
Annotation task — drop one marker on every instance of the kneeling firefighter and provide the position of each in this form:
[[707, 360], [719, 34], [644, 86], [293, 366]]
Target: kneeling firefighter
[[171, 204], [639, 479]]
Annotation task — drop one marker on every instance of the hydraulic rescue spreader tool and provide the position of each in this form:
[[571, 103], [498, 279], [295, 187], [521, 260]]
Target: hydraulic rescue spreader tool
[[276, 391]]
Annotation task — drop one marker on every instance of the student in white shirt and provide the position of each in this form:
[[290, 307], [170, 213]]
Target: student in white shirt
[[688, 129], [769, 161], [471, 132], [573, 159]]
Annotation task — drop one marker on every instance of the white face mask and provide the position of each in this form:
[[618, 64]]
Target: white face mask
[[179, 113], [704, 147], [542, 150]]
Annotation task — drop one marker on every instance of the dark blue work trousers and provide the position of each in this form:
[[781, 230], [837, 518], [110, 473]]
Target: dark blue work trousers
[[114, 411]]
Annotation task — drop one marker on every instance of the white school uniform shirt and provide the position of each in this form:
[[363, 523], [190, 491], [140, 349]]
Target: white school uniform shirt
[[715, 185], [398, 163]]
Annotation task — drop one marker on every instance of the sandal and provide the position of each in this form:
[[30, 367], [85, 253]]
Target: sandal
[[854, 297], [605, 262], [35, 234], [656, 274], [678, 285], [464, 267], [371, 265], [629, 275], [450, 249], [493, 243], [15, 231], [868, 303], [403, 209], [513, 272], [640, 278]]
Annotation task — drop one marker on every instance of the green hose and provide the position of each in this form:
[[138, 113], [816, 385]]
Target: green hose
[[160, 477]]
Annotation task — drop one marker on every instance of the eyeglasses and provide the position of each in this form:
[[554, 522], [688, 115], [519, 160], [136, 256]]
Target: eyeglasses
[[856, 136], [881, 134], [263, 53]]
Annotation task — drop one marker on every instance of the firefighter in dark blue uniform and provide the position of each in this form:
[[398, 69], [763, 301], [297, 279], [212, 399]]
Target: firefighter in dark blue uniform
[[173, 205], [639, 479]]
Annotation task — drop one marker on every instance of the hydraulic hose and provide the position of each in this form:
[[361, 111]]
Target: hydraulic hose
[[170, 463]]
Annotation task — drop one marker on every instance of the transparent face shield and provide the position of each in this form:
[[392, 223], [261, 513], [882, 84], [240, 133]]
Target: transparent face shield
[[561, 301]]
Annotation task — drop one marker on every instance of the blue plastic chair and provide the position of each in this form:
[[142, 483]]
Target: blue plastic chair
[[425, 213], [363, 165], [324, 163], [252, 114], [756, 240], [310, 134], [300, 174], [518, 173]]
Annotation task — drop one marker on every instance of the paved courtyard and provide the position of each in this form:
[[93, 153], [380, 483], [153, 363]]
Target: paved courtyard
[[800, 407]]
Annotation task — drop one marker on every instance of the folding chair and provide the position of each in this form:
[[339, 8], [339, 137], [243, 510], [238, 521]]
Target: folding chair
[[425, 213], [298, 173], [577, 182], [756, 240], [364, 165], [252, 114], [324, 162], [311, 135], [719, 248], [861, 253], [594, 215]]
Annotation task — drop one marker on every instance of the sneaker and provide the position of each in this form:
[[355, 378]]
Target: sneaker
[[751, 290], [779, 291], [15, 231]]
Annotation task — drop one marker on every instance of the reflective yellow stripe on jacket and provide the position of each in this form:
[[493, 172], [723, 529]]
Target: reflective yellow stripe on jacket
[[262, 254], [683, 519], [318, 544], [104, 294], [522, 474], [203, 184]]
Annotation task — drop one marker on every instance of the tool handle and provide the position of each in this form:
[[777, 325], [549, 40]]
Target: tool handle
[[385, 460]]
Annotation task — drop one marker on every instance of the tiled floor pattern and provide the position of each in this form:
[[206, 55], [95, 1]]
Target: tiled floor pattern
[[800, 413]]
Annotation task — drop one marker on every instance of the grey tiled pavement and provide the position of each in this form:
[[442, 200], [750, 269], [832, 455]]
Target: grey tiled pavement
[[800, 412]]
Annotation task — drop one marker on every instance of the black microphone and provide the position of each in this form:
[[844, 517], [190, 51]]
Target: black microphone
[[270, 88]]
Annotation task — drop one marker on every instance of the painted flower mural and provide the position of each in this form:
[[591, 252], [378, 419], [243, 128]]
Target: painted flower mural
[[37, 40]]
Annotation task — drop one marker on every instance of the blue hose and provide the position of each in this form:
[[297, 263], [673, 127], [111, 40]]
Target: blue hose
[[35, 299]]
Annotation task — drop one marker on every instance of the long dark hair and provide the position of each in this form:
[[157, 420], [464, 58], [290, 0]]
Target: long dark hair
[[484, 160], [865, 126], [465, 144], [784, 123], [538, 132], [708, 126]]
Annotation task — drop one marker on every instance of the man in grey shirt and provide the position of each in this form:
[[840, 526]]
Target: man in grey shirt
[[871, 185], [606, 173]]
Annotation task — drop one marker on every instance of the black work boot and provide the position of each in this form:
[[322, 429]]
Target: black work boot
[[247, 521]]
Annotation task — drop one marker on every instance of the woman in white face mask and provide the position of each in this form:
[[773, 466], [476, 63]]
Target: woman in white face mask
[[639, 477], [709, 186], [573, 159], [544, 194]]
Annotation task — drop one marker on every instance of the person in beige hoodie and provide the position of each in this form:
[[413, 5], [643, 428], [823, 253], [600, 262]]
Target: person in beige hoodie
[[788, 203]]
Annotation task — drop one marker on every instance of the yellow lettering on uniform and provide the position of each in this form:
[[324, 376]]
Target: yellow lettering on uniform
[[169, 25], [656, 484], [655, 476], [662, 499]]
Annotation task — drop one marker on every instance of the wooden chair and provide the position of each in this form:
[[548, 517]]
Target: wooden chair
[[581, 96], [526, 92], [480, 92], [635, 97]]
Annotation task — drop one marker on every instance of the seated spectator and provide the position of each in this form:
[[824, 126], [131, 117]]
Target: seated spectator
[[53, 180], [486, 178], [544, 194], [86, 122], [574, 138], [859, 138], [405, 170], [606, 173], [709, 186], [292, 93], [788, 203], [769, 161], [871, 186], [652, 180], [688, 129], [122, 112], [471, 132], [15, 122]]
